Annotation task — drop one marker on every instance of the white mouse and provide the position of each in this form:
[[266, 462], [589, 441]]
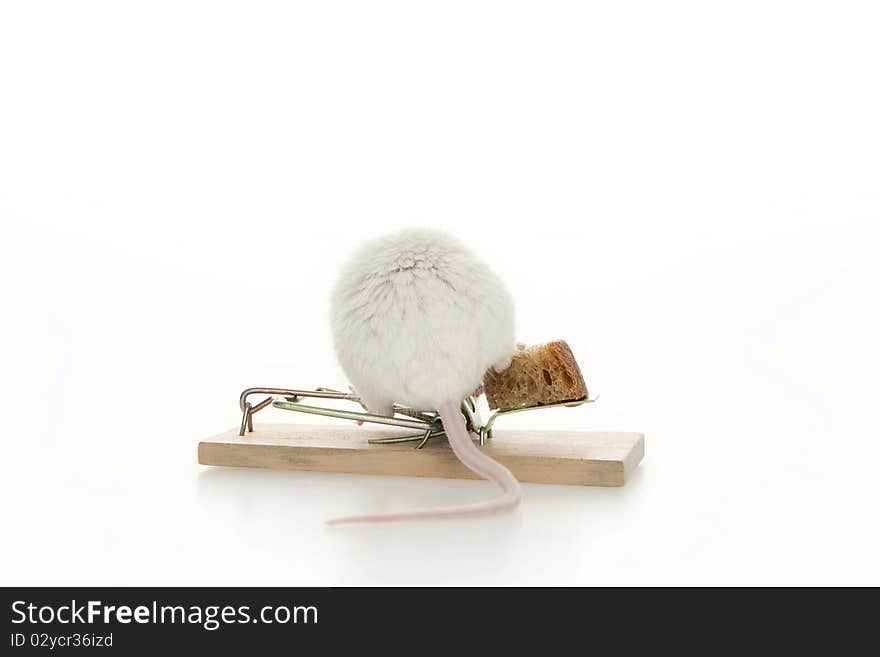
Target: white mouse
[[417, 319]]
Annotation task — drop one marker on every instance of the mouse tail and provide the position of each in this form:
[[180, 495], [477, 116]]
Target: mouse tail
[[475, 460]]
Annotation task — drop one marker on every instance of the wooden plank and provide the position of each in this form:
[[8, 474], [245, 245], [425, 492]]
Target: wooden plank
[[583, 458]]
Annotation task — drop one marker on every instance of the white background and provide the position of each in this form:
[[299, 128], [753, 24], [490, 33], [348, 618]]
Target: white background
[[688, 192]]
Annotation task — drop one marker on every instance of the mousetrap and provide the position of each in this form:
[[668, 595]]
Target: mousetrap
[[409, 442]]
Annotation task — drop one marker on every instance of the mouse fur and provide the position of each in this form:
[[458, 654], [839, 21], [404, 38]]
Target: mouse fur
[[417, 319]]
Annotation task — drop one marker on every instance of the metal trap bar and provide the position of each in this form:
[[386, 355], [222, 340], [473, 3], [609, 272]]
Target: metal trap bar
[[478, 417]]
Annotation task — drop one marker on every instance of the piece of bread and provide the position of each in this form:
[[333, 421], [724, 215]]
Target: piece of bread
[[542, 374]]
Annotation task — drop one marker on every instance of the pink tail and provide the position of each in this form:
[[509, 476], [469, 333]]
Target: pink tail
[[474, 459]]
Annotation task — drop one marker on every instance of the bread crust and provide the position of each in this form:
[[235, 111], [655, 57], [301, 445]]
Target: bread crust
[[541, 374]]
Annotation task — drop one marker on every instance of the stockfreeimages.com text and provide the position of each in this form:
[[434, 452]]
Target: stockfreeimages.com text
[[211, 617]]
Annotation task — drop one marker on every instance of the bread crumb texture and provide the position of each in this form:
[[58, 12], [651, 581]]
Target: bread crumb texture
[[542, 374]]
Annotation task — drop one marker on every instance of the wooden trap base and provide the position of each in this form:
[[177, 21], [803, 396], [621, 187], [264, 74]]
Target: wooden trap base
[[581, 458]]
